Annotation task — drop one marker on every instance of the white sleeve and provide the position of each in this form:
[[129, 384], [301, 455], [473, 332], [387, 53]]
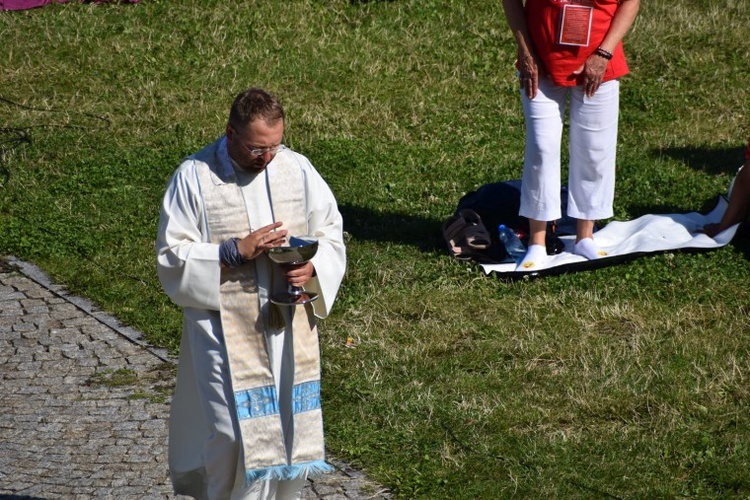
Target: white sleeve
[[326, 224], [187, 265]]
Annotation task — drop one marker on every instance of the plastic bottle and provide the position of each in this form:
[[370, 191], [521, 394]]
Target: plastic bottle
[[512, 244]]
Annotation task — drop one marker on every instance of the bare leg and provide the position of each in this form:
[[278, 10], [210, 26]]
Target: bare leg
[[739, 203], [537, 232], [584, 229]]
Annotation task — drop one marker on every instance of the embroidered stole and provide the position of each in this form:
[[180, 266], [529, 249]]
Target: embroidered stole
[[245, 319]]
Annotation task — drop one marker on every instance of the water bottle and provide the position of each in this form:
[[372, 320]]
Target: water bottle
[[512, 244]]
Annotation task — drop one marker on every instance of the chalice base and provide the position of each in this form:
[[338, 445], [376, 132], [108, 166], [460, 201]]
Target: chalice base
[[290, 299]]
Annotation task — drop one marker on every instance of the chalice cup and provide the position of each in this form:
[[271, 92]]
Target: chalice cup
[[298, 251]]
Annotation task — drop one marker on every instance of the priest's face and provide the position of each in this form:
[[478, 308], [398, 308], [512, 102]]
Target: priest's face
[[253, 146]]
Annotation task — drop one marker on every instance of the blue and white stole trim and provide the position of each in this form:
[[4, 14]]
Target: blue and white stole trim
[[263, 401]]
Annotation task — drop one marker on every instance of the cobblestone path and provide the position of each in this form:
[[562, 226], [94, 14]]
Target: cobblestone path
[[85, 402]]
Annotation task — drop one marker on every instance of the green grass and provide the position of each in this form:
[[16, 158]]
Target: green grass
[[629, 381]]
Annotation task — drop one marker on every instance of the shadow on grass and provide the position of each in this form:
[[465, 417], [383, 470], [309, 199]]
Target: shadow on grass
[[712, 161], [366, 224]]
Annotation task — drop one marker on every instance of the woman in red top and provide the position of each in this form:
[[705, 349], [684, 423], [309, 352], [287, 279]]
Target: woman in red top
[[569, 50], [739, 200]]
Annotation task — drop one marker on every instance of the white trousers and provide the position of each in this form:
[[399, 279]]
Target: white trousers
[[593, 148]]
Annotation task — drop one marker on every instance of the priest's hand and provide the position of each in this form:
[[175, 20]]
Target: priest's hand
[[299, 274], [261, 240]]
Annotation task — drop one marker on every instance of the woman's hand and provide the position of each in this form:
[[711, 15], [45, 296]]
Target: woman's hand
[[528, 65], [528, 74], [593, 72], [594, 67]]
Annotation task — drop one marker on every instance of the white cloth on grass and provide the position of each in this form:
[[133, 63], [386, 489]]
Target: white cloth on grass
[[650, 233]]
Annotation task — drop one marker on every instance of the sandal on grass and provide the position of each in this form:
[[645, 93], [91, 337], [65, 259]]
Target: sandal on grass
[[454, 236], [477, 236]]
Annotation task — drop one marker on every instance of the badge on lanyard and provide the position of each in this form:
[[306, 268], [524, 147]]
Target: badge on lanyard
[[575, 25]]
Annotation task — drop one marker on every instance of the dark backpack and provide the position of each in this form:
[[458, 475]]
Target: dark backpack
[[499, 203]]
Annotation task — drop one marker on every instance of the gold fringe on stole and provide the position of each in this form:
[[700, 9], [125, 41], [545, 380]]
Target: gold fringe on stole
[[275, 317]]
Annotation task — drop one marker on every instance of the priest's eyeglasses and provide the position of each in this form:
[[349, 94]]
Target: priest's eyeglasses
[[261, 151]]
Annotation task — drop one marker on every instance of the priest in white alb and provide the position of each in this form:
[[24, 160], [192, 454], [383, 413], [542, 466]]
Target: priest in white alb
[[246, 418]]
